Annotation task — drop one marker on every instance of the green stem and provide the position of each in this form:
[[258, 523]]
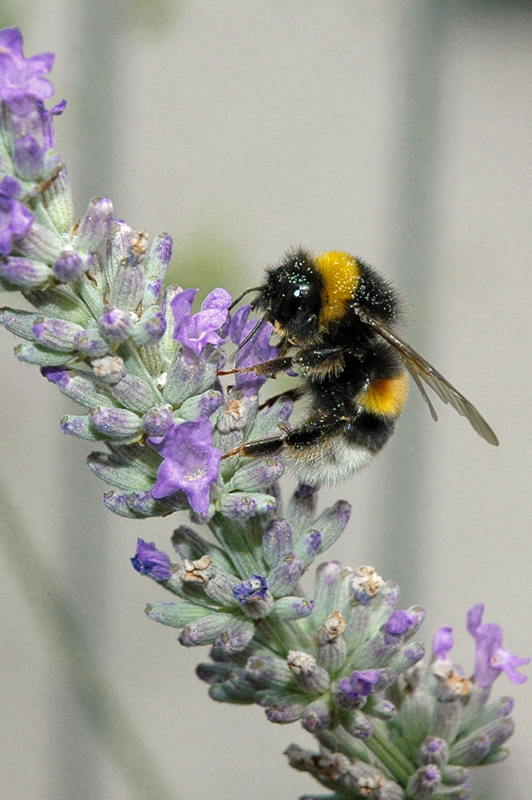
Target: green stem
[[272, 629], [114, 727], [231, 536], [392, 758]]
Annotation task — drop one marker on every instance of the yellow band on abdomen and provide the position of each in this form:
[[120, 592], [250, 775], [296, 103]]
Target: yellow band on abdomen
[[386, 397]]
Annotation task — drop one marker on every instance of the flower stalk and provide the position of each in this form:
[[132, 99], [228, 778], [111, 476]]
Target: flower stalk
[[390, 721]]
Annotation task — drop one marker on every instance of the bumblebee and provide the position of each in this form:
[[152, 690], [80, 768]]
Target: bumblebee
[[336, 318]]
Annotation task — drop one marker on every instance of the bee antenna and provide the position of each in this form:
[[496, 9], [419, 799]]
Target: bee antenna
[[244, 293], [252, 333]]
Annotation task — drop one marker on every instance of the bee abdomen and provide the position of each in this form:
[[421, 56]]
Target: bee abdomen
[[369, 431], [386, 397]]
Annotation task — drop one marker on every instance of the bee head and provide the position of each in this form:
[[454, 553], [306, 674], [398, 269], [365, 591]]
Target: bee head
[[291, 297]]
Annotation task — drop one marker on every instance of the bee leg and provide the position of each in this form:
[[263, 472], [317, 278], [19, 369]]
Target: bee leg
[[261, 447], [271, 367], [308, 433], [292, 394], [327, 356]]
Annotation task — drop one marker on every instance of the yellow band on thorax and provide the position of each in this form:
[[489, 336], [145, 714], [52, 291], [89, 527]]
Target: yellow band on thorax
[[340, 273]]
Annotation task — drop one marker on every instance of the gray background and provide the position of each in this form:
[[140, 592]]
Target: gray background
[[400, 131]]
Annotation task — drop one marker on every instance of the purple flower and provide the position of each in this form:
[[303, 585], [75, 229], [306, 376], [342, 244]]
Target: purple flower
[[190, 462], [21, 76], [256, 351], [152, 562], [33, 131], [490, 657], [252, 589], [399, 623], [443, 643], [15, 219], [196, 331], [353, 691]]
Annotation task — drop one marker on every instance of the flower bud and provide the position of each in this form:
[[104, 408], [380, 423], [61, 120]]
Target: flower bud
[[243, 505], [185, 380], [156, 267], [40, 243], [20, 323], [257, 474], [332, 521], [91, 343], [95, 225], [332, 647], [316, 717], [134, 393], [358, 725], [285, 575], [155, 421], [312, 678], [424, 782], [69, 266], [149, 328], [268, 671], [289, 608], [205, 403], [57, 199], [254, 597], [117, 423], [115, 325], [57, 334], [288, 710], [236, 636], [25, 273]]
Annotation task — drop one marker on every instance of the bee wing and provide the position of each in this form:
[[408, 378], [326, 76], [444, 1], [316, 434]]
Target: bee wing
[[421, 370]]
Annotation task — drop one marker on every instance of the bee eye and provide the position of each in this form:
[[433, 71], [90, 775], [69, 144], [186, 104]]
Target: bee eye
[[289, 301], [292, 303], [299, 293]]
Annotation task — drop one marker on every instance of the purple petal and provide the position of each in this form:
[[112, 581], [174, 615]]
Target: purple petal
[[19, 76], [490, 656], [256, 351], [182, 305], [353, 690], [474, 618], [399, 622], [15, 219], [190, 462], [253, 588], [442, 643], [218, 298], [152, 562], [196, 331]]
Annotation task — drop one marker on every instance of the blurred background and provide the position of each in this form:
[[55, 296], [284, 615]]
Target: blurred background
[[400, 132]]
